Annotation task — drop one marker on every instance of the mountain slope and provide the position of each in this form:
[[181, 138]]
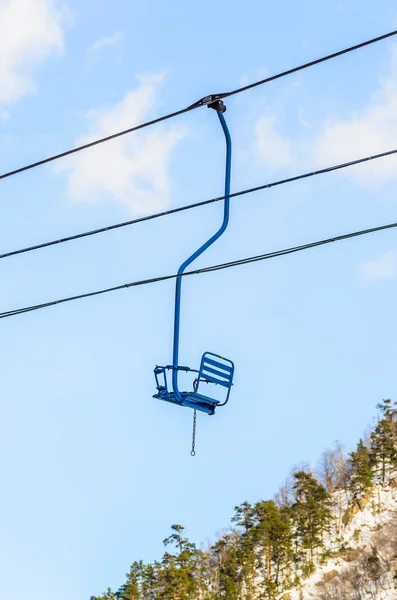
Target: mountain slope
[[363, 565], [328, 534]]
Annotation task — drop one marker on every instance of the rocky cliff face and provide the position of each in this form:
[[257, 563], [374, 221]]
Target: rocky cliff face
[[362, 563]]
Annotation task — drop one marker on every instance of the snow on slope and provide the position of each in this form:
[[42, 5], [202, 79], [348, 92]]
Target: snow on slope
[[351, 573]]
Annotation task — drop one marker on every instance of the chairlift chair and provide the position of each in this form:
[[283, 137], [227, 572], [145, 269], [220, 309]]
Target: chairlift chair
[[215, 370]]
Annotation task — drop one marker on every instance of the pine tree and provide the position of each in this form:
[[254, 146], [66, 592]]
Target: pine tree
[[171, 583], [311, 513], [228, 582], [389, 410], [131, 588], [272, 535], [361, 476], [149, 581], [176, 537], [178, 577], [243, 516], [384, 442]]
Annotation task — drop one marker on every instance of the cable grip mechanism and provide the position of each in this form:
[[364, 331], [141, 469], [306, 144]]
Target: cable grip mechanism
[[212, 101]]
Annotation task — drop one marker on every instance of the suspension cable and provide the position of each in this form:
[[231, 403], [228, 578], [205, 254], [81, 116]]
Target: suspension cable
[[179, 209], [227, 265]]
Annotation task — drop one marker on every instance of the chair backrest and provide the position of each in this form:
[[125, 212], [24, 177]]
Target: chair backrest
[[216, 369]]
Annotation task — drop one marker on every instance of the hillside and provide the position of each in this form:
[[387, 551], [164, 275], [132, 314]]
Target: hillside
[[328, 534], [363, 560]]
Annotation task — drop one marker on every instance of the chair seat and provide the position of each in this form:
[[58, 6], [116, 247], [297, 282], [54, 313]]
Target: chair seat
[[199, 402], [167, 396], [195, 397], [190, 400]]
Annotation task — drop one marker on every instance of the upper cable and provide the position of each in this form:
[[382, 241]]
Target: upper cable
[[203, 102]]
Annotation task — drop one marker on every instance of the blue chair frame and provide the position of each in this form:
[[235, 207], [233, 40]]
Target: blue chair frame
[[193, 399], [211, 371]]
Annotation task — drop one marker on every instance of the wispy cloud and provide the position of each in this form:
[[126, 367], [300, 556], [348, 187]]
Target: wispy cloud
[[106, 42], [133, 169], [370, 130], [30, 31], [384, 267]]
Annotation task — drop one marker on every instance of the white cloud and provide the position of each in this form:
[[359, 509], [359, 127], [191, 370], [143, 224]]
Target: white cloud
[[371, 130], [365, 132], [271, 147], [132, 169], [106, 42], [384, 267], [30, 31]]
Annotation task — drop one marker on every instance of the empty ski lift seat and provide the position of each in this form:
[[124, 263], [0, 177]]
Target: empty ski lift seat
[[214, 369]]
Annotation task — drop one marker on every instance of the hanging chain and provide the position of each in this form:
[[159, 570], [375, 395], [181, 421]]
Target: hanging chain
[[193, 451]]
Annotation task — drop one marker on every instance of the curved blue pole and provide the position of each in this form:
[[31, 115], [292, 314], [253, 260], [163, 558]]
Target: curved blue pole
[[196, 254]]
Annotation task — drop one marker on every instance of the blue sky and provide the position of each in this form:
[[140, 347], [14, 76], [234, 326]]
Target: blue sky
[[94, 471]]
